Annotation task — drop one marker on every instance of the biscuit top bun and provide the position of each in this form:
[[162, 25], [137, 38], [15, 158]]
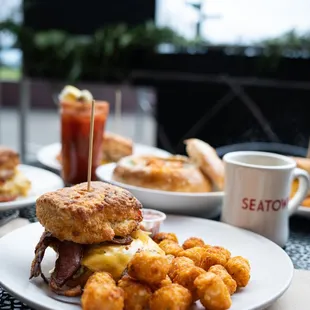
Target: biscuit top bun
[[207, 160], [303, 163], [100, 215], [116, 147], [9, 159]]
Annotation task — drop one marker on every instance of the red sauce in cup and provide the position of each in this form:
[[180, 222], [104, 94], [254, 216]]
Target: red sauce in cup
[[152, 219]]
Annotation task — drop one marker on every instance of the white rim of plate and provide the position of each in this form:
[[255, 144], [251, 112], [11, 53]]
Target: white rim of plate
[[54, 164], [48, 161]]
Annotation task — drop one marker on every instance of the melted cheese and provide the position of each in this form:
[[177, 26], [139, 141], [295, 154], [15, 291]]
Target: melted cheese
[[105, 162], [115, 258], [18, 185]]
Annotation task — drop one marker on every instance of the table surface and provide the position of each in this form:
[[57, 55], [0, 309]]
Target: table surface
[[297, 247]]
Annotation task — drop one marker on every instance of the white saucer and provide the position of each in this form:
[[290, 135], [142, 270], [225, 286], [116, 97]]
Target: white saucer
[[207, 204], [271, 274], [41, 181], [47, 154]]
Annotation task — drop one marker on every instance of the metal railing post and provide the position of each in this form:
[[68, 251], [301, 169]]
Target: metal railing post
[[24, 104]]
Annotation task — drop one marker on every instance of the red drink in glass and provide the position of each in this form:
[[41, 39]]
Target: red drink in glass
[[75, 132]]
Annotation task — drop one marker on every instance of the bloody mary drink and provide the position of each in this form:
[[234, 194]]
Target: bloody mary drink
[[75, 132]]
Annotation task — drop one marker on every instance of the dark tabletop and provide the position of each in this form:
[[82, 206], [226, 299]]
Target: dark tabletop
[[297, 247]]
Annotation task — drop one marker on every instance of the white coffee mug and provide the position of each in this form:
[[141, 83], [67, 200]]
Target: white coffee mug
[[257, 191]]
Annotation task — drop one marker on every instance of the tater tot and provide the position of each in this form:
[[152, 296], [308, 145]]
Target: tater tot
[[186, 277], [170, 247], [165, 282], [165, 236], [207, 246], [239, 268], [149, 267], [212, 257], [172, 297], [137, 295], [212, 292], [178, 263], [192, 242], [224, 251], [226, 277], [196, 254], [101, 293], [170, 257]]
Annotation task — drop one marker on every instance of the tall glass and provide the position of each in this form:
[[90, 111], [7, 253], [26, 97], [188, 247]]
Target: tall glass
[[75, 131]]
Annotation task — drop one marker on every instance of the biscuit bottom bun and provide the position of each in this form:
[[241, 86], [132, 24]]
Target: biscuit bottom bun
[[96, 230]]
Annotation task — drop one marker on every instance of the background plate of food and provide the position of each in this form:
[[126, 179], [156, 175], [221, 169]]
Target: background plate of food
[[114, 148], [20, 185], [28, 185], [174, 184], [259, 282]]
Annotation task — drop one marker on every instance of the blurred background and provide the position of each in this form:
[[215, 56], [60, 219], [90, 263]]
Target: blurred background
[[223, 71]]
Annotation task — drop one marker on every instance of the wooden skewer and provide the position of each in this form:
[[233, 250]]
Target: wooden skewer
[[118, 110], [91, 142]]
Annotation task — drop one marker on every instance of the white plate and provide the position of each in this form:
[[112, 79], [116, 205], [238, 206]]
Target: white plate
[[41, 182], [271, 274], [47, 154], [208, 204]]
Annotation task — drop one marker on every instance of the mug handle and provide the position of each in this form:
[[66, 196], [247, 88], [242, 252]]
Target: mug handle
[[303, 187]]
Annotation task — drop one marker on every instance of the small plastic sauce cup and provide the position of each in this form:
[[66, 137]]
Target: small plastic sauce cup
[[152, 219]]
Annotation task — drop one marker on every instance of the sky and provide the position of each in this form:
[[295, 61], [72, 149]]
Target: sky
[[7, 6], [241, 21], [12, 57]]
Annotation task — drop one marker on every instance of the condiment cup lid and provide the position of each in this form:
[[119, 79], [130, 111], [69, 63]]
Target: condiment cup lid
[[151, 215]]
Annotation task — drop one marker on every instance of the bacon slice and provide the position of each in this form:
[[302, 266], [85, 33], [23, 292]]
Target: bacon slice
[[68, 262], [45, 241], [121, 240], [63, 280]]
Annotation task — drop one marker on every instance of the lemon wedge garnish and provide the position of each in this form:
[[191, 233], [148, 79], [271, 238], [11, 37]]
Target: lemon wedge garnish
[[69, 93], [86, 96]]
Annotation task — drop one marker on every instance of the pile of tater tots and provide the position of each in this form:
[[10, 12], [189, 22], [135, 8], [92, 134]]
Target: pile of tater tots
[[192, 272]]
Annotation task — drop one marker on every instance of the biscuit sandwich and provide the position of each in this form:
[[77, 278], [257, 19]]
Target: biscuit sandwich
[[96, 230], [12, 182]]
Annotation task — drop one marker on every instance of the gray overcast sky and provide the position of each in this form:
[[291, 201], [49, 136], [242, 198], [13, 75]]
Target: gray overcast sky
[[241, 20], [7, 6]]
